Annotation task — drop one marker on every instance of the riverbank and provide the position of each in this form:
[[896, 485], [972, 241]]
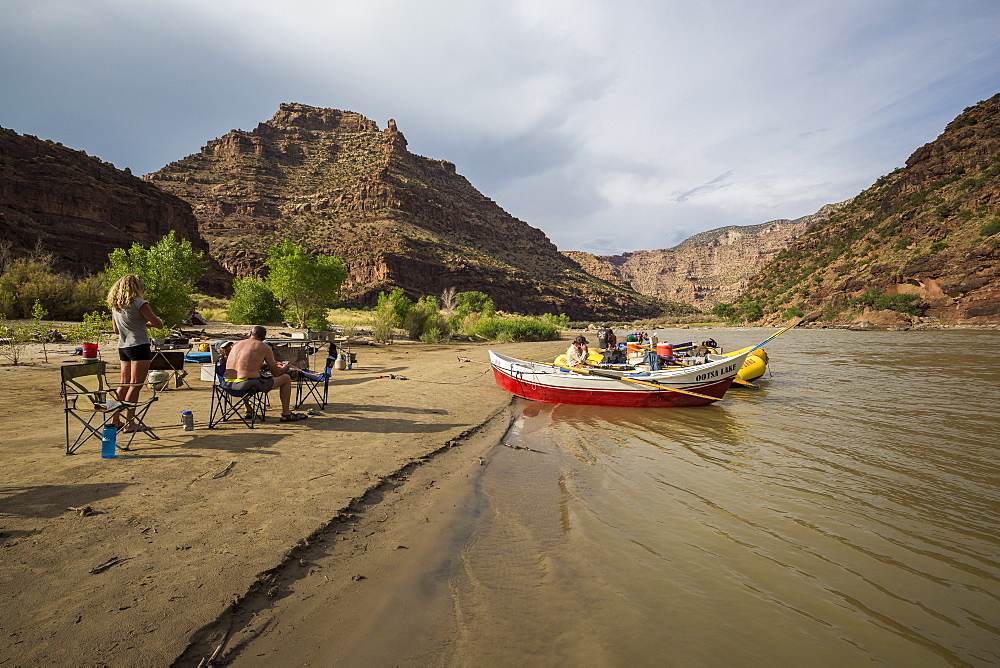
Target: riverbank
[[129, 561]]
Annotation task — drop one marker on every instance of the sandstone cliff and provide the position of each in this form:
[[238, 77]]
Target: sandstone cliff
[[931, 228], [705, 269], [335, 183], [79, 208]]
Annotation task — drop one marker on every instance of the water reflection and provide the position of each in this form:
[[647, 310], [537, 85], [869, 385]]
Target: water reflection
[[847, 511]]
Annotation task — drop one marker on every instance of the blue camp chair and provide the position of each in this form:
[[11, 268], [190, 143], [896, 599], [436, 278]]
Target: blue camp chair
[[247, 406], [310, 383]]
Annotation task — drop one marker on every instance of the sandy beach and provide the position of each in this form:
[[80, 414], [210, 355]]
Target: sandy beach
[[170, 550]]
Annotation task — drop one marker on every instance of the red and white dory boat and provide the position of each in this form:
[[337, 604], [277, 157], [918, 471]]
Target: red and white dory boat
[[671, 387]]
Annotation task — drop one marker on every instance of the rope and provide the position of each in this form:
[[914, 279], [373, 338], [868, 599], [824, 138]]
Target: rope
[[463, 382]]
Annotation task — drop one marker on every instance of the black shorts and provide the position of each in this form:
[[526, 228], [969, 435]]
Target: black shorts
[[262, 384], [139, 353]]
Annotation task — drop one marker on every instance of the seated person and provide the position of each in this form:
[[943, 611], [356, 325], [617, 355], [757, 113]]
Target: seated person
[[223, 348], [578, 352], [243, 371]]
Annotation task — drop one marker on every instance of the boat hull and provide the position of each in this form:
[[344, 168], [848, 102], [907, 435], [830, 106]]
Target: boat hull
[[539, 382]]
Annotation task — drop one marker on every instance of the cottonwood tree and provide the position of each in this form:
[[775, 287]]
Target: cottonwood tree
[[253, 303], [169, 268], [307, 286]]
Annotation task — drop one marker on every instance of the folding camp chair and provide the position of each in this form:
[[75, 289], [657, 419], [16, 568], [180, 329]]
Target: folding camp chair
[[227, 404], [311, 382], [86, 392]]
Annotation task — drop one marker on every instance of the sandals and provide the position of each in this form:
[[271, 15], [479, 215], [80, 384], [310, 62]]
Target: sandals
[[293, 417]]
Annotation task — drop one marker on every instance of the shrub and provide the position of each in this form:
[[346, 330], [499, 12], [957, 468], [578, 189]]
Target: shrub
[[14, 338], [25, 281], [561, 320], [944, 211], [792, 312], [990, 228], [425, 317], [724, 310], [751, 311], [910, 304], [938, 246], [390, 314], [515, 329], [95, 328], [253, 303]]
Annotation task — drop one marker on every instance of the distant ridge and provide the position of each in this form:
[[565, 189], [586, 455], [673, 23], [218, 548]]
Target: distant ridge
[[706, 268]]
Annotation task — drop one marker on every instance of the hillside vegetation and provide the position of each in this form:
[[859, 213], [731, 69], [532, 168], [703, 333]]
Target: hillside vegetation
[[922, 240]]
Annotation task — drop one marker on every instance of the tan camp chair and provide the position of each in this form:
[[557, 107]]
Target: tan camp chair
[[86, 393]]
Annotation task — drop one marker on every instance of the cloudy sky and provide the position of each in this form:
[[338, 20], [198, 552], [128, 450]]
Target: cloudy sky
[[611, 125]]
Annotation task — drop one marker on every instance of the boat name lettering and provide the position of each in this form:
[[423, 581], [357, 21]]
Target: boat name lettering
[[715, 373]]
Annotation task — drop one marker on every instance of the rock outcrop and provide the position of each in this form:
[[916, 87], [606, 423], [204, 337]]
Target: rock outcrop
[[705, 269], [79, 208], [335, 183]]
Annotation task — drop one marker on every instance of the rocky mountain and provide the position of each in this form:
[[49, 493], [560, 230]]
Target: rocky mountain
[[705, 269], [335, 183], [930, 229], [79, 208]]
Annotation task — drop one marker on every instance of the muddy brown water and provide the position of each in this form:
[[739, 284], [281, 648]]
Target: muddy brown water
[[846, 513]]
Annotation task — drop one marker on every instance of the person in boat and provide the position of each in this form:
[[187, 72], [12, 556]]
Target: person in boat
[[606, 338], [578, 352], [243, 371]]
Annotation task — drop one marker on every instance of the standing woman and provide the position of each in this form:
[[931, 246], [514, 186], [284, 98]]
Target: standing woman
[[130, 316]]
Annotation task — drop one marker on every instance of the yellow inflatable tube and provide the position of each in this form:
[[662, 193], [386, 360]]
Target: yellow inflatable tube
[[754, 366], [594, 358]]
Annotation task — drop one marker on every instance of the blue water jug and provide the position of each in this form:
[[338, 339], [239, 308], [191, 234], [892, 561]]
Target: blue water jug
[[109, 441]]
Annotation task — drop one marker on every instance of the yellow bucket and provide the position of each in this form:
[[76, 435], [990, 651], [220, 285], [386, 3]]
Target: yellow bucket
[[204, 347]]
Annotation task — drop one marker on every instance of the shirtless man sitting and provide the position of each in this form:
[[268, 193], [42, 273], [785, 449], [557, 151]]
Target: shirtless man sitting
[[243, 367]]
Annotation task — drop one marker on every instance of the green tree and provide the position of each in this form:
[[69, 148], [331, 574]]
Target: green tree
[[170, 267], [474, 302], [307, 286], [41, 331], [253, 303]]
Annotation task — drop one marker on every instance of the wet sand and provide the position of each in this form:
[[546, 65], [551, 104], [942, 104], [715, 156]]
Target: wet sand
[[208, 529]]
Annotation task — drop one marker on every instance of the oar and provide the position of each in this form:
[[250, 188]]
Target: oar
[[781, 331], [595, 372], [738, 381]]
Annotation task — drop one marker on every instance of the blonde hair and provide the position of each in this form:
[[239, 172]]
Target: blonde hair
[[126, 290]]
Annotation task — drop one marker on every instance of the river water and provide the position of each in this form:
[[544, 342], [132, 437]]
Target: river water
[[846, 513]]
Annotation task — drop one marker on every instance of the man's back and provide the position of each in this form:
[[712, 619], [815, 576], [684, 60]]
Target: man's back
[[246, 359]]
